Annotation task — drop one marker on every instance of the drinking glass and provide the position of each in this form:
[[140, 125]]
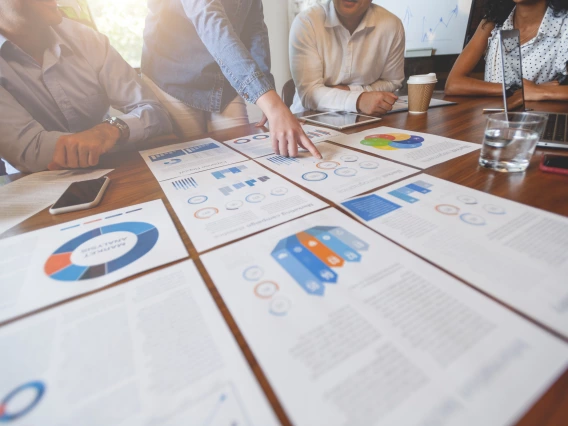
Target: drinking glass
[[510, 140]]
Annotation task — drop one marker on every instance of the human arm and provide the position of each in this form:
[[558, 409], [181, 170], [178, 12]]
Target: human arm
[[308, 72], [223, 43], [550, 91], [459, 82]]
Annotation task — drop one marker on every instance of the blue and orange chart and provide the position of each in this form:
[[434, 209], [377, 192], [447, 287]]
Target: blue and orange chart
[[101, 251], [35, 389], [309, 256]]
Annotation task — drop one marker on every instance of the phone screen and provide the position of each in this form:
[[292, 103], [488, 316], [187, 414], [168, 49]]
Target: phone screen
[[80, 193], [556, 161]]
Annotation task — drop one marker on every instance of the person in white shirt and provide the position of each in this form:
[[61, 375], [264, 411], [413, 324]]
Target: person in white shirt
[[346, 55]]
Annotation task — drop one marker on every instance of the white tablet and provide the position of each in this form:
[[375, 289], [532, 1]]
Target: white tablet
[[340, 119]]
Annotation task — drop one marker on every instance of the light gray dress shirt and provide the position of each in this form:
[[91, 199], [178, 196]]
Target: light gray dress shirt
[[324, 54], [81, 77]]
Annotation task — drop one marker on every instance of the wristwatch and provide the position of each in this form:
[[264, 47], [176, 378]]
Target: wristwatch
[[120, 125]]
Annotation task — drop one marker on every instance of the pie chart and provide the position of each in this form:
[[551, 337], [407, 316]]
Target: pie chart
[[36, 388], [393, 141], [101, 251]]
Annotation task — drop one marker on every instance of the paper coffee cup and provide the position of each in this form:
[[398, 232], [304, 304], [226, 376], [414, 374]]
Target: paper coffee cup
[[420, 90]]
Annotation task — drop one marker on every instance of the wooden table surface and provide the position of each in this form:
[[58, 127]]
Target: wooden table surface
[[133, 183]]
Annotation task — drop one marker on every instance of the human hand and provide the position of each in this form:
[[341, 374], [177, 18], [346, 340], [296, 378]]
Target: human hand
[[376, 103], [286, 132], [83, 149]]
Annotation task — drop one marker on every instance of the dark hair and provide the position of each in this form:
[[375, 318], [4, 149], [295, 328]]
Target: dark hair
[[497, 11]]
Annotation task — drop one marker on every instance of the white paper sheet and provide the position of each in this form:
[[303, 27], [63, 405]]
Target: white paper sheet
[[416, 149], [221, 205], [343, 173], [402, 104], [154, 351], [514, 252], [53, 264], [351, 329], [259, 144], [29, 195], [182, 159]]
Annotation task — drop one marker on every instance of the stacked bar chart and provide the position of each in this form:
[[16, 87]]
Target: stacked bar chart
[[181, 152], [220, 174], [227, 190], [278, 159], [309, 256], [184, 184]]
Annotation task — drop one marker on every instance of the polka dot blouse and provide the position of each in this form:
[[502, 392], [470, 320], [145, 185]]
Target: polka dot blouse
[[544, 57]]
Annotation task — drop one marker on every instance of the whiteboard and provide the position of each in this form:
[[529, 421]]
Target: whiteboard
[[436, 24]]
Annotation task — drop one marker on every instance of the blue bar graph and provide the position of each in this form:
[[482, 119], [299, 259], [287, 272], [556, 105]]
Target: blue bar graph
[[226, 190], [184, 184], [279, 160], [220, 174], [186, 151]]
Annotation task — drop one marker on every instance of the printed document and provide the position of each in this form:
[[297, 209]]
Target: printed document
[[351, 329], [511, 251]]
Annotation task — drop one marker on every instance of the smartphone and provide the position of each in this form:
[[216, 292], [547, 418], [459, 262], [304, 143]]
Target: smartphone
[[81, 195], [554, 164]]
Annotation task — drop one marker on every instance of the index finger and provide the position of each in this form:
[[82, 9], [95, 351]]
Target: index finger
[[308, 144]]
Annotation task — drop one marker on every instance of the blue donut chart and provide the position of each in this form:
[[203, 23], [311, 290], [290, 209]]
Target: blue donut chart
[[60, 267], [260, 137], [5, 416]]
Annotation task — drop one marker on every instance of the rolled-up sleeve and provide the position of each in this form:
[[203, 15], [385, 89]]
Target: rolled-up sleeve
[[307, 71], [24, 143], [143, 113], [250, 79]]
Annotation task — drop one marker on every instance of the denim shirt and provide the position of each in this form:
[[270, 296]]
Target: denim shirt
[[204, 52]]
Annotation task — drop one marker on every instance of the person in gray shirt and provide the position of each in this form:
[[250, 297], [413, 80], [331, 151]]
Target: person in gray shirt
[[58, 79]]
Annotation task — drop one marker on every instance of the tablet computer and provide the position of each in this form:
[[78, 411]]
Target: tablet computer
[[340, 119]]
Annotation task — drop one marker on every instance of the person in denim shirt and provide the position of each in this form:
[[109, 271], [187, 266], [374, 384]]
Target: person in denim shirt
[[204, 58]]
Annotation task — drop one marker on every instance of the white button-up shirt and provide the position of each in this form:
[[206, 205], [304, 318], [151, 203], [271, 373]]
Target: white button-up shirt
[[544, 57], [324, 54]]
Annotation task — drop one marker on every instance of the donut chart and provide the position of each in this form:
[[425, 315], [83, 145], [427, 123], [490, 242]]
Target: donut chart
[[7, 416], [393, 141], [60, 266]]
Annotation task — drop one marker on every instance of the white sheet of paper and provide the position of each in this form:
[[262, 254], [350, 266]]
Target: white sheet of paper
[[343, 173], [221, 205], [155, 350], [182, 159], [29, 195], [402, 104], [351, 329], [514, 252], [260, 145], [53, 264], [416, 149]]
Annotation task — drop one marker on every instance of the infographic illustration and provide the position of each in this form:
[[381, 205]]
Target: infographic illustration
[[309, 256], [393, 141], [35, 388]]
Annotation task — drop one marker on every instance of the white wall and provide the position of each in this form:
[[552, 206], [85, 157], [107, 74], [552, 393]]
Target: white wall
[[276, 18]]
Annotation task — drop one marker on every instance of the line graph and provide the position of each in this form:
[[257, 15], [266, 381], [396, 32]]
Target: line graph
[[430, 34]]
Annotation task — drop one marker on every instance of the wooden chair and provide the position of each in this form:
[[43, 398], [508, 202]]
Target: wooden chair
[[288, 92]]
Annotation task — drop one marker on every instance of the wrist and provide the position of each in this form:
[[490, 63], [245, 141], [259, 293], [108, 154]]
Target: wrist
[[109, 132], [270, 103]]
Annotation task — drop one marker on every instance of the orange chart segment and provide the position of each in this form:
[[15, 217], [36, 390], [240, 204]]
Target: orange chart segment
[[57, 262], [322, 252]]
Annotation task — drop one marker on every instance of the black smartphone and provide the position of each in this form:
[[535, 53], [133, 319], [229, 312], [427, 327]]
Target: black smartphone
[[555, 164], [81, 195]]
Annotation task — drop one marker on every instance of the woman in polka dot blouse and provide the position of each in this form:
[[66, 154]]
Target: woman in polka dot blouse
[[543, 25]]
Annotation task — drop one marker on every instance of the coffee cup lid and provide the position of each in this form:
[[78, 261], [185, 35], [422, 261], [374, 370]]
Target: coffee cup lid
[[423, 79]]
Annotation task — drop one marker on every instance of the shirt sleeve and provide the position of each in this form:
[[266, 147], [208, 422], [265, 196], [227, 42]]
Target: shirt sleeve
[[224, 44], [393, 74], [307, 72], [145, 116], [24, 143]]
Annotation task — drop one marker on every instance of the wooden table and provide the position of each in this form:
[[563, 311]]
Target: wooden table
[[132, 183]]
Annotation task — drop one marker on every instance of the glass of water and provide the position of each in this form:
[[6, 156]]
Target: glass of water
[[510, 140]]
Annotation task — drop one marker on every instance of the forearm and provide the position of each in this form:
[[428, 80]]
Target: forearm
[[146, 122], [319, 97], [554, 93], [468, 86]]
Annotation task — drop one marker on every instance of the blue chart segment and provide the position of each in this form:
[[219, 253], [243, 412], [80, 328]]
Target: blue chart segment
[[370, 207], [59, 265], [181, 152], [220, 174], [8, 416], [404, 193], [282, 161], [309, 256], [184, 184], [429, 32], [227, 190]]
